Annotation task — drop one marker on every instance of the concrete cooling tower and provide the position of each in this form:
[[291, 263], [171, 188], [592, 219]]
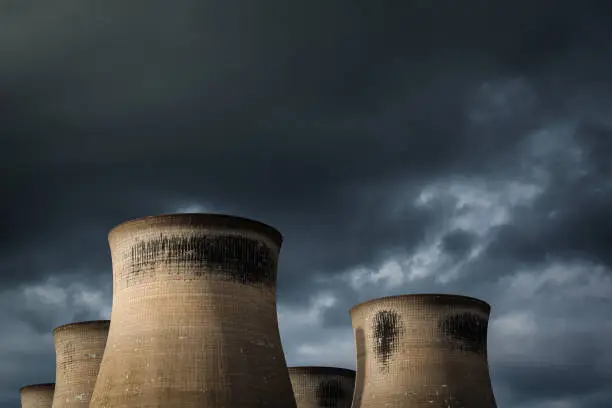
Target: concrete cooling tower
[[422, 351], [322, 387], [78, 352], [37, 396], [194, 320]]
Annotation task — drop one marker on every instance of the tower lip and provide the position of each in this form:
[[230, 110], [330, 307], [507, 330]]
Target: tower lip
[[67, 326], [207, 219], [42, 385], [429, 296], [323, 370]]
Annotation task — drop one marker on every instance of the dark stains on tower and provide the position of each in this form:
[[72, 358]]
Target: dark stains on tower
[[360, 345], [329, 393], [386, 335], [231, 257], [467, 331]]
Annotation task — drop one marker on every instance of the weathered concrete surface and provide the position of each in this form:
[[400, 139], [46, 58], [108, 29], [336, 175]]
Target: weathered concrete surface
[[78, 352], [37, 395], [194, 320], [418, 351], [322, 387]]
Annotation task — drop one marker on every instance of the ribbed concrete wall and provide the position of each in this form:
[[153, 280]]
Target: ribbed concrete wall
[[37, 396], [422, 351], [78, 352], [194, 321], [322, 387]]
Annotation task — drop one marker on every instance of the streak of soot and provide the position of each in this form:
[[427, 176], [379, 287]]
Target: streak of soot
[[329, 394], [235, 258], [360, 345], [467, 330], [386, 335]]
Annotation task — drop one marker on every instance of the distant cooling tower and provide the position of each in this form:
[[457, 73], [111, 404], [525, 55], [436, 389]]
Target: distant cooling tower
[[422, 351], [37, 396], [78, 351], [322, 387], [194, 321]]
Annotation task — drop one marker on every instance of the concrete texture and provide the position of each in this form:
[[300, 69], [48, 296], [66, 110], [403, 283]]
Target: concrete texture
[[194, 320], [78, 352], [422, 351], [322, 387], [37, 396]]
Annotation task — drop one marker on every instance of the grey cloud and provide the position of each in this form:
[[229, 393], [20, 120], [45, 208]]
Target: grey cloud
[[557, 379], [558, 224], [458, 242]]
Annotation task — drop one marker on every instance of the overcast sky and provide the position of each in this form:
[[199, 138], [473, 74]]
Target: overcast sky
[[399, 146]]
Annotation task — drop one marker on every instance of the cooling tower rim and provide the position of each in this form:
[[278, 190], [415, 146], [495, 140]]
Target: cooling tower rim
[[323, 370], [486, 306], [208, 219], [33, 386], [97, 323]]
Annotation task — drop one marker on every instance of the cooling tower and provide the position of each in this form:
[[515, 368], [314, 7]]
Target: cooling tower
[[194, 321], [37, 396], [422, 351], [78, 351], [322, 387]]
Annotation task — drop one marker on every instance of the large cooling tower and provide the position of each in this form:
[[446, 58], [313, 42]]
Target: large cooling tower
[[78, 351], [322, 387], [194, 321], [37, 396], [418, 351]]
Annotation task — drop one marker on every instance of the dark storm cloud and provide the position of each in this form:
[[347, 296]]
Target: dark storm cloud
[[43, 361], [572, 219], [554, 382], [458, 242], [556, 379], [324, 119]]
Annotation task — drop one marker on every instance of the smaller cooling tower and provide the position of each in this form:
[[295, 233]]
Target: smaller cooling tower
[[322, 387], [422, 351], [37, 396], [78, 352]]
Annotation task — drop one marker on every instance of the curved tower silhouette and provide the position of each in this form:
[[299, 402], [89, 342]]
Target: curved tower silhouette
[[422, 351], [322, 387], [194, 321], [78, 351], [37, 395]]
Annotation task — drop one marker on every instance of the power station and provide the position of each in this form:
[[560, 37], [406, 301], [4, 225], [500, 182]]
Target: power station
[[194, 321], [194, 324], [78, 352], [322, 387], [37, 396], [422, 351]]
